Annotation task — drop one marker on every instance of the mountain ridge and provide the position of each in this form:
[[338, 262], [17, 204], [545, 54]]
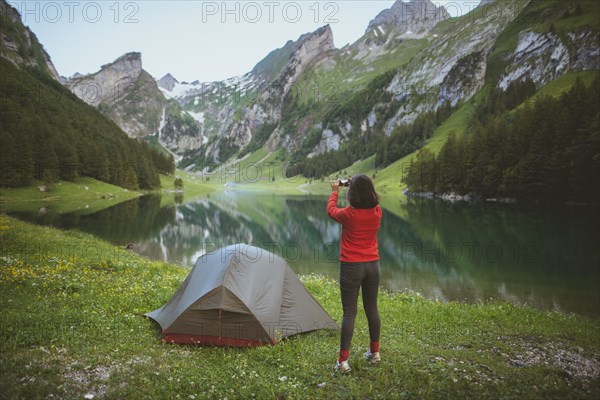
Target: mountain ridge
[[125, 92], [451, 60], [49, 134], [313, 99], [261, 112], [414, 16], [20, 45]]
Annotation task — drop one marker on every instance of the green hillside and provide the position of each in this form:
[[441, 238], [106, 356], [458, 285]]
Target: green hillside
[[395, 153], [82, 196], [548, 151], [390, 179], [563, 84], [542, 16], [331, 86], [537, 16], [48, 134]]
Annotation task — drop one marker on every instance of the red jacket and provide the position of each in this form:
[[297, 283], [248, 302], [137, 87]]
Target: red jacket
[[359, 232]]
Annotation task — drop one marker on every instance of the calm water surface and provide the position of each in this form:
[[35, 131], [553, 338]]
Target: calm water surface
[[547, 258]]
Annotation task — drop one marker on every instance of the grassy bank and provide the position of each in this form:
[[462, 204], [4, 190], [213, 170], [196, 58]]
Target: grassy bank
[[193, 186], [85, 195], [72, 325], [88, 195]]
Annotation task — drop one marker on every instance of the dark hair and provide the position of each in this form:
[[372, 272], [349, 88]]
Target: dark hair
[[361, 193]]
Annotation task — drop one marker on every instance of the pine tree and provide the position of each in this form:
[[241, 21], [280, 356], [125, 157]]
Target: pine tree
[[178, 183], [69, 162], [449, 165], [130, 180], [47, 165], [100, 164], [422, 173], [9, 165], [49, 177]]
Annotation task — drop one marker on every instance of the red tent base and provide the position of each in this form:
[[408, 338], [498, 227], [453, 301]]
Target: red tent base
[[182, 338]]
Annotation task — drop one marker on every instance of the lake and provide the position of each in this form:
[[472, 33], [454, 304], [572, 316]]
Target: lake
[[544, 257]]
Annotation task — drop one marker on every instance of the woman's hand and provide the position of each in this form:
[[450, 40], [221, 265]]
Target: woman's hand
[[335, 186]]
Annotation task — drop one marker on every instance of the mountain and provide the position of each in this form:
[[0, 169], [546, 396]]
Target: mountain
[[124, 92], [404, 20], [271, 105], [231, 111], [127, 94], [19, 45], [412, 19], [212, 121], [48, 134], [167, 82], [452, 68], [385, 95]]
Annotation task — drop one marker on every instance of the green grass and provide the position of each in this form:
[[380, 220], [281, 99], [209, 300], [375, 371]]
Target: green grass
[[84, 195], [260, 171], [256, 157], [330, 85], [193, 186], [563, 84], [88, 195], [366, 166], [72, 325], [589, 18], [446, 26], [389, 179]]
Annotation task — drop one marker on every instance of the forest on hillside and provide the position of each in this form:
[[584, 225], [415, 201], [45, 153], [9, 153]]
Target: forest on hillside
[[360, 143], [48, 134], [543, 150]]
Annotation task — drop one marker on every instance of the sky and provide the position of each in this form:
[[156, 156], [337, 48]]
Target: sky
[[192, 39]]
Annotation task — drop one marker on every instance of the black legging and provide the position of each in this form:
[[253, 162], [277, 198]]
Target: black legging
[[354, 276]]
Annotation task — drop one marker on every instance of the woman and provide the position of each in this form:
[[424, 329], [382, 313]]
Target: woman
[[359, 262]]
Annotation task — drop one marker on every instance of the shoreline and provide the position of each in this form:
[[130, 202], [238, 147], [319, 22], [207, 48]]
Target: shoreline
[[475, 199]]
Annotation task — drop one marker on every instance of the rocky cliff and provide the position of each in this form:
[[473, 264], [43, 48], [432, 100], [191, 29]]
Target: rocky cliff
[[111, 84], [453, 67], [415, 17], [543, 57], [167, 82], [19, 44], [404, 20], [313, 50], [231, 111], [126, 93]]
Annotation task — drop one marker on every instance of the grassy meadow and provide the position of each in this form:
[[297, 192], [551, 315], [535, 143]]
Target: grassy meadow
[[84, 195], [87, 195], [72, 325]]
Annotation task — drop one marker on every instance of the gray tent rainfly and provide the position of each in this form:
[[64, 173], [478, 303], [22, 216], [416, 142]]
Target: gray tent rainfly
[[240, 295]]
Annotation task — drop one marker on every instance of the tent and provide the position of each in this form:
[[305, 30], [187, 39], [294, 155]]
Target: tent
[[240, 295]]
